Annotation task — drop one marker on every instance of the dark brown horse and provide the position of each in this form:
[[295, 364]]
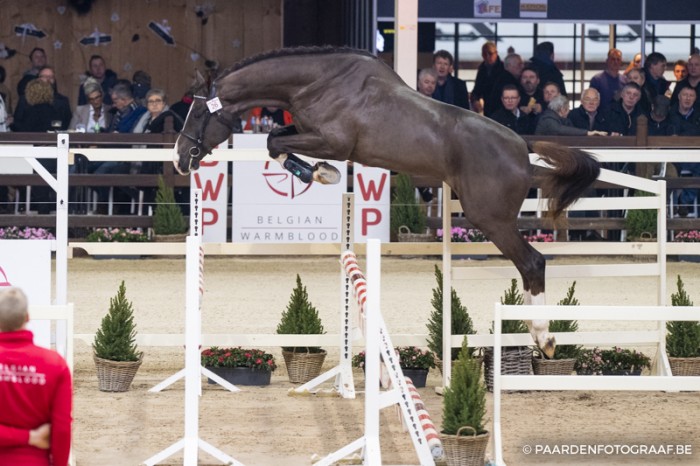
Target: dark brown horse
[[348, 105]]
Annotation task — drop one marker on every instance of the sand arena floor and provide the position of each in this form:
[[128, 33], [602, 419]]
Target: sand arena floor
[[263, 426]]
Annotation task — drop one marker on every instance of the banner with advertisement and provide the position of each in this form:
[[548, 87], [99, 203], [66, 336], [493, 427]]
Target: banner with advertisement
[[487, 8], [533, 8], [270, 205], [212, 179], [26, 264], [372, 188]]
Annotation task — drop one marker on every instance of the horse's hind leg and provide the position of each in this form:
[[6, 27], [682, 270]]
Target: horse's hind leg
[[280, 150]]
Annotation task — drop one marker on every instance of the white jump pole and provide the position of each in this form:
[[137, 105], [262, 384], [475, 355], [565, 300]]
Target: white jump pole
[[191, 443]]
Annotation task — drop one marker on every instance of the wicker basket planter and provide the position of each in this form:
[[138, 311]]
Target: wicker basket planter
[[303, 367], [465, 450], [176, 238], [115, 376], [405, 236], [553, 366], [515, 360], [685, 366]]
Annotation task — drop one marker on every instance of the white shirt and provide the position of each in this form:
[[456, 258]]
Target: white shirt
[[91, 120]]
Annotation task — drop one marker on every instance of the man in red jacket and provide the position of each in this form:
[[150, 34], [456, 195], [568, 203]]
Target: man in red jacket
[[35, 392]]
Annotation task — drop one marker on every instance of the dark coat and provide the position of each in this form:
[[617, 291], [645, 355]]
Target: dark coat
[[551, 124], [486, 77], [525, 124], [107, 84], [494, 102], [548, 72], [454, 92], [619, 121], [579, 118], [685, 126]]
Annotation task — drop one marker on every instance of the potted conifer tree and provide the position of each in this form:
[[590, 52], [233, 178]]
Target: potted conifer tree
[[301, 317], [683, 338], [407, 217], [461, 322], [564, 355], [169, 224], [463, 435], [515, 360], [115, 354]]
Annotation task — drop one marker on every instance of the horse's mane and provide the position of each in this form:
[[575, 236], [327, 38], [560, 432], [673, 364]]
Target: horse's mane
[[285, 52]]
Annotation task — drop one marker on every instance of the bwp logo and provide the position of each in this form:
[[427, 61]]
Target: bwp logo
[[283, 183]]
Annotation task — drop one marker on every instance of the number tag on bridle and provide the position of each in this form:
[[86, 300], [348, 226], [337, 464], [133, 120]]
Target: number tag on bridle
[[214, 105]]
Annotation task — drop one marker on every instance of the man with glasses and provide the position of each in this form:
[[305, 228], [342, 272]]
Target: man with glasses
[[510, 115], [487, 74]]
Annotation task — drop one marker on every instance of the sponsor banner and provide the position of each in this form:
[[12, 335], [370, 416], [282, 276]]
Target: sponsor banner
[[533, 8], [487, 8], [270, 205], [372, 203], [212, 179], [26, 264]]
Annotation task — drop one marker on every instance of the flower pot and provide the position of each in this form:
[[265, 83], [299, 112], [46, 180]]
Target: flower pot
[[115, 376], [514, 361], [302, 367], [465, 450], [684, 366], [553, 366], [176, 238], [241, 375], [417, 376]]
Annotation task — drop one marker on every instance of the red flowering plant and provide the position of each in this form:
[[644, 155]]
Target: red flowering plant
[[540, 238], [692, 236], [410, 357], [238, 357]]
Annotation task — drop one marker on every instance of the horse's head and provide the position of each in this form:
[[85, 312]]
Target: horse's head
[[205, 127]]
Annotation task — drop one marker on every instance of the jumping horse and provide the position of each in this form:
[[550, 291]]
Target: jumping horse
[[349, 105]]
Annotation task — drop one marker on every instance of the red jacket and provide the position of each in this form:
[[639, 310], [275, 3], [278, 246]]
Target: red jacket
[[35, 388]]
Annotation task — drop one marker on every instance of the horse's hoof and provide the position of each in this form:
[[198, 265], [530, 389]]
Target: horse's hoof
[[326, 173], [550, 344]]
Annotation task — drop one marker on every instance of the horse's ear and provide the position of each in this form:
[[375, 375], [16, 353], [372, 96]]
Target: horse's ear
[[199, 80]]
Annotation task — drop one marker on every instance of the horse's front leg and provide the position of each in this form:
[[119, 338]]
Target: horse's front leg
[[283, 142]]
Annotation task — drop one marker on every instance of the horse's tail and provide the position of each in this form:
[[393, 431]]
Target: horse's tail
[[573, 171]]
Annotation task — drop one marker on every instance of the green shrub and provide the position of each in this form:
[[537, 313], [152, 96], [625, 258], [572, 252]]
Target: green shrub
[[566, 326], [167, 217], [464, 401], [461, 322], [300, 318], [405, 209], [682, 337], [512, 296], [116, 338], [641, 221]]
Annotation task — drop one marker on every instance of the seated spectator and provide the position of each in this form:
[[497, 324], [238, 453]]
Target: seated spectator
[[554, 121], [159, 118], [37, 57], [35, 113], [513, 65], [427, 80], [531, 97], [654, 68], [107, 79], [637, 76], [5, 93], [126, 112], [609, 81], [95, 116], [691, 80], [680, 72], [141, 85], [60, 113], [510, 116], [685, 119], [487, 74], [549, 91], [543, 62], [659, 121], [622, 114], [449, 89], [588, 115]]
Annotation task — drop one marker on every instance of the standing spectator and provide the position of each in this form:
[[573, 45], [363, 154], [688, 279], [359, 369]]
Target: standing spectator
[[37, 57], [685, 119], [609, 81], [588, 115], [427, 80], [107, 79], [554, 121], [543, 62], [637, 76], [510, 116], [513, 65], [622, 115], [449, 89], [35, 389], [140, 87], [680, 72], [95, 116], [487, 74], [531, 98], [692, 80], [654, 68]]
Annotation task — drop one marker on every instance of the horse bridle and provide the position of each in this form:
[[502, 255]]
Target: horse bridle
[[199, 150]]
